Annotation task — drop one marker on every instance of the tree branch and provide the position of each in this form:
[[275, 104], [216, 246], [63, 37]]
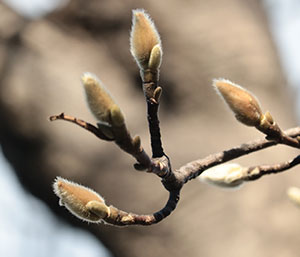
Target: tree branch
[[153, 121], [193, 169], [89, 127], [122, 218], [124, 141], [255, 173], [160, 167]]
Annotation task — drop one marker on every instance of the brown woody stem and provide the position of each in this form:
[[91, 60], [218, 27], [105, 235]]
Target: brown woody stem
[[150, 81], [195, 168], [89, 127], [255, 173], [274, 132], [159, 166], [124, 140], [122, 218]]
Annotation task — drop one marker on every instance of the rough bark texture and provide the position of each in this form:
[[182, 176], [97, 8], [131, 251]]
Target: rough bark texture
[[41, 62]]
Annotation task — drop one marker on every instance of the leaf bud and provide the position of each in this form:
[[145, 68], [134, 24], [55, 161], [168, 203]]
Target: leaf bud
[[98, 208], [155, 58], [157, 94], [117, 118]]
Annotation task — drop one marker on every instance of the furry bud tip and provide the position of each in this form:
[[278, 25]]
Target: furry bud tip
[[244, 105]]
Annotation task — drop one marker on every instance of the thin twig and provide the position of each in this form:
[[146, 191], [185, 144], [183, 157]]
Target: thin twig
[[255, 173], [150, 83], [125, 144], [274, 132], [153, 121], [122, 218], [89, 127], [193, 169], [159, 167]]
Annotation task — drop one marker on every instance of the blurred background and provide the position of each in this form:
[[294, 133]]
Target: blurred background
[[45, 46]]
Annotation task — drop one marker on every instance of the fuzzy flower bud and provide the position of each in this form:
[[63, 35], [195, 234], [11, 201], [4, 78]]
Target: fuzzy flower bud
[[294, 195], [244, 105], [145, 44], [224, 175], [81, 201], [98, 98]]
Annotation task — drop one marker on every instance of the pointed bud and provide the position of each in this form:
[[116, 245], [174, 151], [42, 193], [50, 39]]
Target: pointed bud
[[136, 142], [269, 117], [224, 175], [117, 118], [294, 195], [76, 199], [98, 98], [244, 105], [155, 58], [157, 94], [143, 38]]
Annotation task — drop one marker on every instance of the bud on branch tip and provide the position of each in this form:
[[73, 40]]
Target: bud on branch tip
[[81, 201], [244, 104], [145, 44]]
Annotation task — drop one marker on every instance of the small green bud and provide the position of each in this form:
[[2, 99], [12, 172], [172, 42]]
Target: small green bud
[[244, 105], [155, 58], [98, 208], [98, 98], [117, 118]]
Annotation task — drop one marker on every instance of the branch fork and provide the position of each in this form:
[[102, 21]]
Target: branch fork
[[145, 46]]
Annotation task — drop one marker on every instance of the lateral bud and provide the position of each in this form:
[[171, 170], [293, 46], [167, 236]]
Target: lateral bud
[[98, 208], [224, 175], [136, 143], [117, 118], [155, 58], [244, 104], [157, 94]]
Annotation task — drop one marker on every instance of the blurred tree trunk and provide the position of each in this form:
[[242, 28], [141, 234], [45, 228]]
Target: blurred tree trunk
[[41, 63]]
